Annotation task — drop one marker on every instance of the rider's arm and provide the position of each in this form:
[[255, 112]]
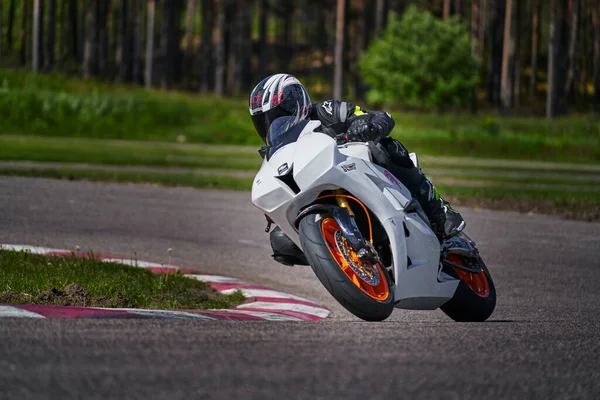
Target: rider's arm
[[338, 117]]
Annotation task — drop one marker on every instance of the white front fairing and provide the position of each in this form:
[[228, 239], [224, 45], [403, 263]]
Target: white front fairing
[[319, 164]]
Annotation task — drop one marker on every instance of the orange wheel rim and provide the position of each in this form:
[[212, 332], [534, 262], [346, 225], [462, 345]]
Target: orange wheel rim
[[478, 283], [368, 278]]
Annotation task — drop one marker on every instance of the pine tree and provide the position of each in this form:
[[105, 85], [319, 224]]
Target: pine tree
[[149, 44], [507, 56], [37, 35], [51, 38], [338, 75]]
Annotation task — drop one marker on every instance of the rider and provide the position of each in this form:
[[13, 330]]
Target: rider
[[283, 95]]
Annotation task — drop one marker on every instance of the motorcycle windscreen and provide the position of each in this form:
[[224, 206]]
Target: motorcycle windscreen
[[283, 131]]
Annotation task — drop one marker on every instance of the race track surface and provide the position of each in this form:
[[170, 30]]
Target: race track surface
[[541, 342]]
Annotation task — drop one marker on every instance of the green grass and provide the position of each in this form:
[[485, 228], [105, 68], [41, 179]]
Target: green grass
[[27, 275], [55, 106], [66, 150], [585, 194], [558, 197], [165, 179], [524, 180], [581, 170]]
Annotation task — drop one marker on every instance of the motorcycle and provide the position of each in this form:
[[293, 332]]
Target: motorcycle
[[366, 238]]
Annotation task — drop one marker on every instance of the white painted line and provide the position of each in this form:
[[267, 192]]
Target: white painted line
[[164, 313], [214, 278], [262, 314], [265, 293], [32, 249], [8, 311], [137, 263], [319, 312]]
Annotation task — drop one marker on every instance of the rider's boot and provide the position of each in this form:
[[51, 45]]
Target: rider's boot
[[445, 220]]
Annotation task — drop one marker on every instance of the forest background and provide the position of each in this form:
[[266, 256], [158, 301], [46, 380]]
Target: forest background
[[501, 95]]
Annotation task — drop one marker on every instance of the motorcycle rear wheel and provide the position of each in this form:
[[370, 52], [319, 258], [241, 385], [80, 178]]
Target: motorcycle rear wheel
[[364, 290], [475, 296]]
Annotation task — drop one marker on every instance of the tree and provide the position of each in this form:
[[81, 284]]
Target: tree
[[149, 44], [189, 28], [50, 40], [482, 28], [516, 56], [124, 53], [595, 10], [535, 45], [552, 53], [263, 15], [220, 49], [170, 43], [189, 35], [446, 13], [244, 45], [37, 37], [359, 42], [379, 9], [90, 56], [411, 62], [74, 30], [23, 37], [475, 43], [1, 20], [574, 16], [339, 48], [496, 49], [102, 15], [207, 49], [138, 33], [458, 9], [11, 22], [507, 55], [557, 59]]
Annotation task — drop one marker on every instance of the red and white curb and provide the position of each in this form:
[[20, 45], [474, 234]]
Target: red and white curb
[[262, 303]]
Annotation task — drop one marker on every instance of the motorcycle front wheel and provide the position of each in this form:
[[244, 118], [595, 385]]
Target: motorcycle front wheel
[[363, 289], [475, 296]]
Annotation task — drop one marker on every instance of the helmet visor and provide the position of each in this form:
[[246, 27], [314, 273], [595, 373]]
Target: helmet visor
[[262, 121]]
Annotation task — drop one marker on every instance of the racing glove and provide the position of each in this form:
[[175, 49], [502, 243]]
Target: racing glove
[[377, 126], [360, 130]]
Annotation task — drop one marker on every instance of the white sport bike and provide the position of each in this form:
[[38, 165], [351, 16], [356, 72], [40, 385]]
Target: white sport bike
[[367, 240]]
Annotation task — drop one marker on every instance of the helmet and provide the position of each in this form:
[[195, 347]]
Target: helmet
[[277, 96]]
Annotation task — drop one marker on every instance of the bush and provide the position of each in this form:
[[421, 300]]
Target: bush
[[421, 61]]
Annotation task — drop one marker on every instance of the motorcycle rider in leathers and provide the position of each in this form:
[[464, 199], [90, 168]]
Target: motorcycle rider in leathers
[[283, 95]]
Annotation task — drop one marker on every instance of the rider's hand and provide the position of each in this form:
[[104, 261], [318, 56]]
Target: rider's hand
[[378, 130], [362, 131]]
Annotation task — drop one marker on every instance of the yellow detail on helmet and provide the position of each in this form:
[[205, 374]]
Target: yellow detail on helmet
[[358, 111]]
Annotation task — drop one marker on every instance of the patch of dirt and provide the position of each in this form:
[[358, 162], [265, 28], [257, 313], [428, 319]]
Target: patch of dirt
[[73, 295], [581, 212]]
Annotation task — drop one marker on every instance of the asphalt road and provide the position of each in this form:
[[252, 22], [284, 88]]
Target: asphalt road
[[541, 342]]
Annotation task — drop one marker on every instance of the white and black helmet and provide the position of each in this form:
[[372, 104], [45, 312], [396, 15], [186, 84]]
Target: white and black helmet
[[277, 96]]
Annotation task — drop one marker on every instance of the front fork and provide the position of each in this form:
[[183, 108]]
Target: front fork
[[343, 201], [344, 216]]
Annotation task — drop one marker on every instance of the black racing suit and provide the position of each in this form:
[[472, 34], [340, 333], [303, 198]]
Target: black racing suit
[[337, 117]]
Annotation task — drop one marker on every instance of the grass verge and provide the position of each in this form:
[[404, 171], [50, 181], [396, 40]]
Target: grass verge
[[55, 106], [190, 180], [582, 204], [67, 150], [45, 279], [579, 205]]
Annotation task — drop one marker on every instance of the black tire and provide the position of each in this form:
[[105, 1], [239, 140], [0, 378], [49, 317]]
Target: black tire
[[335, 280], [466, 305]]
